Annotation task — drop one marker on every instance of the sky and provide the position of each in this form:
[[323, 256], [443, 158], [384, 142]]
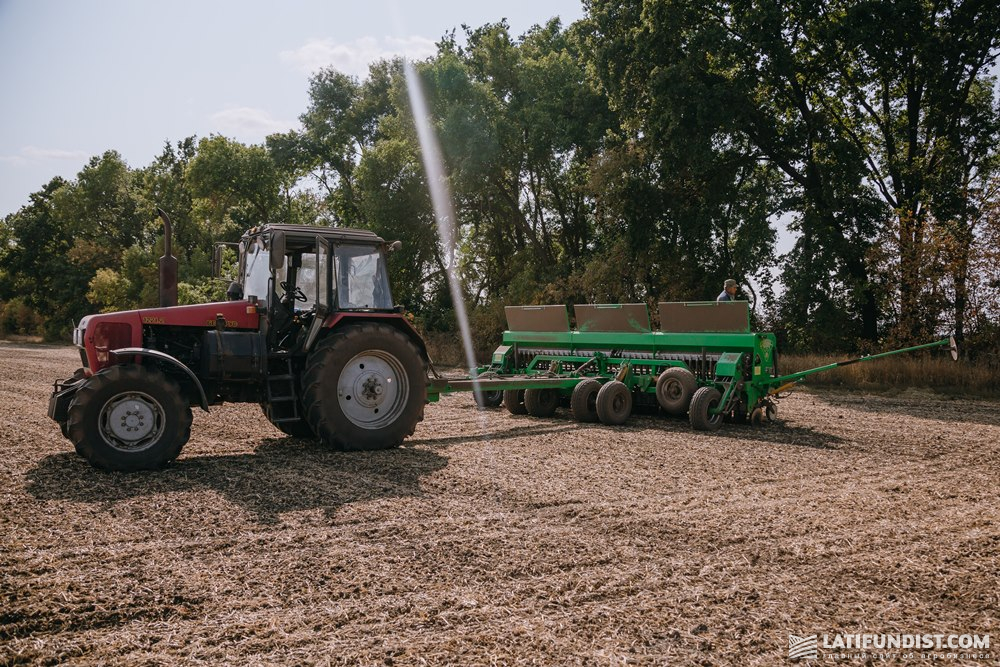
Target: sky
[[80, 77]]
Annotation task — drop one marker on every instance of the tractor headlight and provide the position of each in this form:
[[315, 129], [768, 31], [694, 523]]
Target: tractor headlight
[[79, 329]]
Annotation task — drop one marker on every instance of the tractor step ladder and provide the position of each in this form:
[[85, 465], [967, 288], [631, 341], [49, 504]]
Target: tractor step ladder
[[282, 397]]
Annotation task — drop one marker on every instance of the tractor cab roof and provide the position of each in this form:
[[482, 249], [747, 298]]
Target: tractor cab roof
[[297, 235]]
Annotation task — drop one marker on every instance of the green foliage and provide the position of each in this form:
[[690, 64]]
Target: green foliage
[[206, 290], [18, 318], [642, 154], [109, 291], [234, 186]]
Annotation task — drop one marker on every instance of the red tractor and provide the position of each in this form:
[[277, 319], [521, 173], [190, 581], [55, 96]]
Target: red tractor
[[310, 333]]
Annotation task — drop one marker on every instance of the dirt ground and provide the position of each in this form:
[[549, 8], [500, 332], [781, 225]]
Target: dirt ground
[[494, 539]]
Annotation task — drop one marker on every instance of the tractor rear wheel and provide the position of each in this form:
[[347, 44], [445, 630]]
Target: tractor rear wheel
[[541, 402], [705, 399], [513, 399], [583, 402], [296, 429], [128, 418], [674, 389], [614, 403], [364, 388]]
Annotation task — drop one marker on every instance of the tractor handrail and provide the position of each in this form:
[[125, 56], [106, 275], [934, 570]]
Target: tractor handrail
[[792, 378]]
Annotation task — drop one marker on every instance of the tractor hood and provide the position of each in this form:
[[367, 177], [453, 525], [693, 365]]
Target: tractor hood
[[237, 314], [100, 334]]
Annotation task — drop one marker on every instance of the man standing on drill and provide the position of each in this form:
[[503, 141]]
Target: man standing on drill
[[729, 291]]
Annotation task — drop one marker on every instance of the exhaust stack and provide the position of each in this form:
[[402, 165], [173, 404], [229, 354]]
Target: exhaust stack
[[168, 266]]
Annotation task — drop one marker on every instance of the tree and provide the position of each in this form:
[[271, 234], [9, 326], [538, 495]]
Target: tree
[[680, 190], [842, 98], [906, 78], [235, 186]]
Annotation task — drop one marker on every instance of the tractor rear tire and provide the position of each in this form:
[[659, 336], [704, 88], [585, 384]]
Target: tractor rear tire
[[128, 418], [298, 429], [488, 398], [705, 399], [541, 402], [583, 402], [513, 399], [614, 403], [364, 388], [674, 389]]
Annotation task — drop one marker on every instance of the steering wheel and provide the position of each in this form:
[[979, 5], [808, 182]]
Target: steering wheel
[[297, 294]]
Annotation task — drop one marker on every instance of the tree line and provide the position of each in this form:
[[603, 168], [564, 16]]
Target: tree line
[[643, 153]]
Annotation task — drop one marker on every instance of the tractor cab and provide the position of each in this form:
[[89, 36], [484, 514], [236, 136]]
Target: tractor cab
[[298, 275]]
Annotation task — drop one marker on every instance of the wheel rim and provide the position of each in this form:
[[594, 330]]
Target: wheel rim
[[132, 422], [373, 389], [672, 390]]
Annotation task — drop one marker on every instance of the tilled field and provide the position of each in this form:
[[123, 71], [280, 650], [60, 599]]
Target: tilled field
[[493, 539]]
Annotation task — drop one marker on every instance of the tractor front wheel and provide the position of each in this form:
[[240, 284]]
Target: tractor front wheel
[[705, 399], [128, 418], [364, 388]]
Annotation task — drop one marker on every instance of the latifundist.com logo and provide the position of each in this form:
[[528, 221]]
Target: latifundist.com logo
[[890, 646], [802, 648]]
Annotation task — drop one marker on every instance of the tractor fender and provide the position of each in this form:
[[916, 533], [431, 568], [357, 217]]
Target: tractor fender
[[395, 320], [163, 356]]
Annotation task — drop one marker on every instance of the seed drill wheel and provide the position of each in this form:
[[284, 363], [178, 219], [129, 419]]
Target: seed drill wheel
[[757, 417], [128, 418], [674, 389], [583, 402], [541, 402], [514, 400], [705, 399], [614, 403], [488, 398], [364, 388]]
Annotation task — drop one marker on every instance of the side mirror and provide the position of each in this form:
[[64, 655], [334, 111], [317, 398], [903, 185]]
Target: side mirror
[[217, 252], [277, 257], [394, 246]]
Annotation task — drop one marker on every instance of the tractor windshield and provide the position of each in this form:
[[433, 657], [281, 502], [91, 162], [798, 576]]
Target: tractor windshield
[[361, 279]]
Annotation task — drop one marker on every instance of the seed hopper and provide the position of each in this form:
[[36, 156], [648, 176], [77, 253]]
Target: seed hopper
[[703, 362]]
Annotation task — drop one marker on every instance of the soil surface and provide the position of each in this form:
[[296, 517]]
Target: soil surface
[[494, 539]]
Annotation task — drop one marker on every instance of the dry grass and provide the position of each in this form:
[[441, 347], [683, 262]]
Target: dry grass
[[936, 372], [495, 539]]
